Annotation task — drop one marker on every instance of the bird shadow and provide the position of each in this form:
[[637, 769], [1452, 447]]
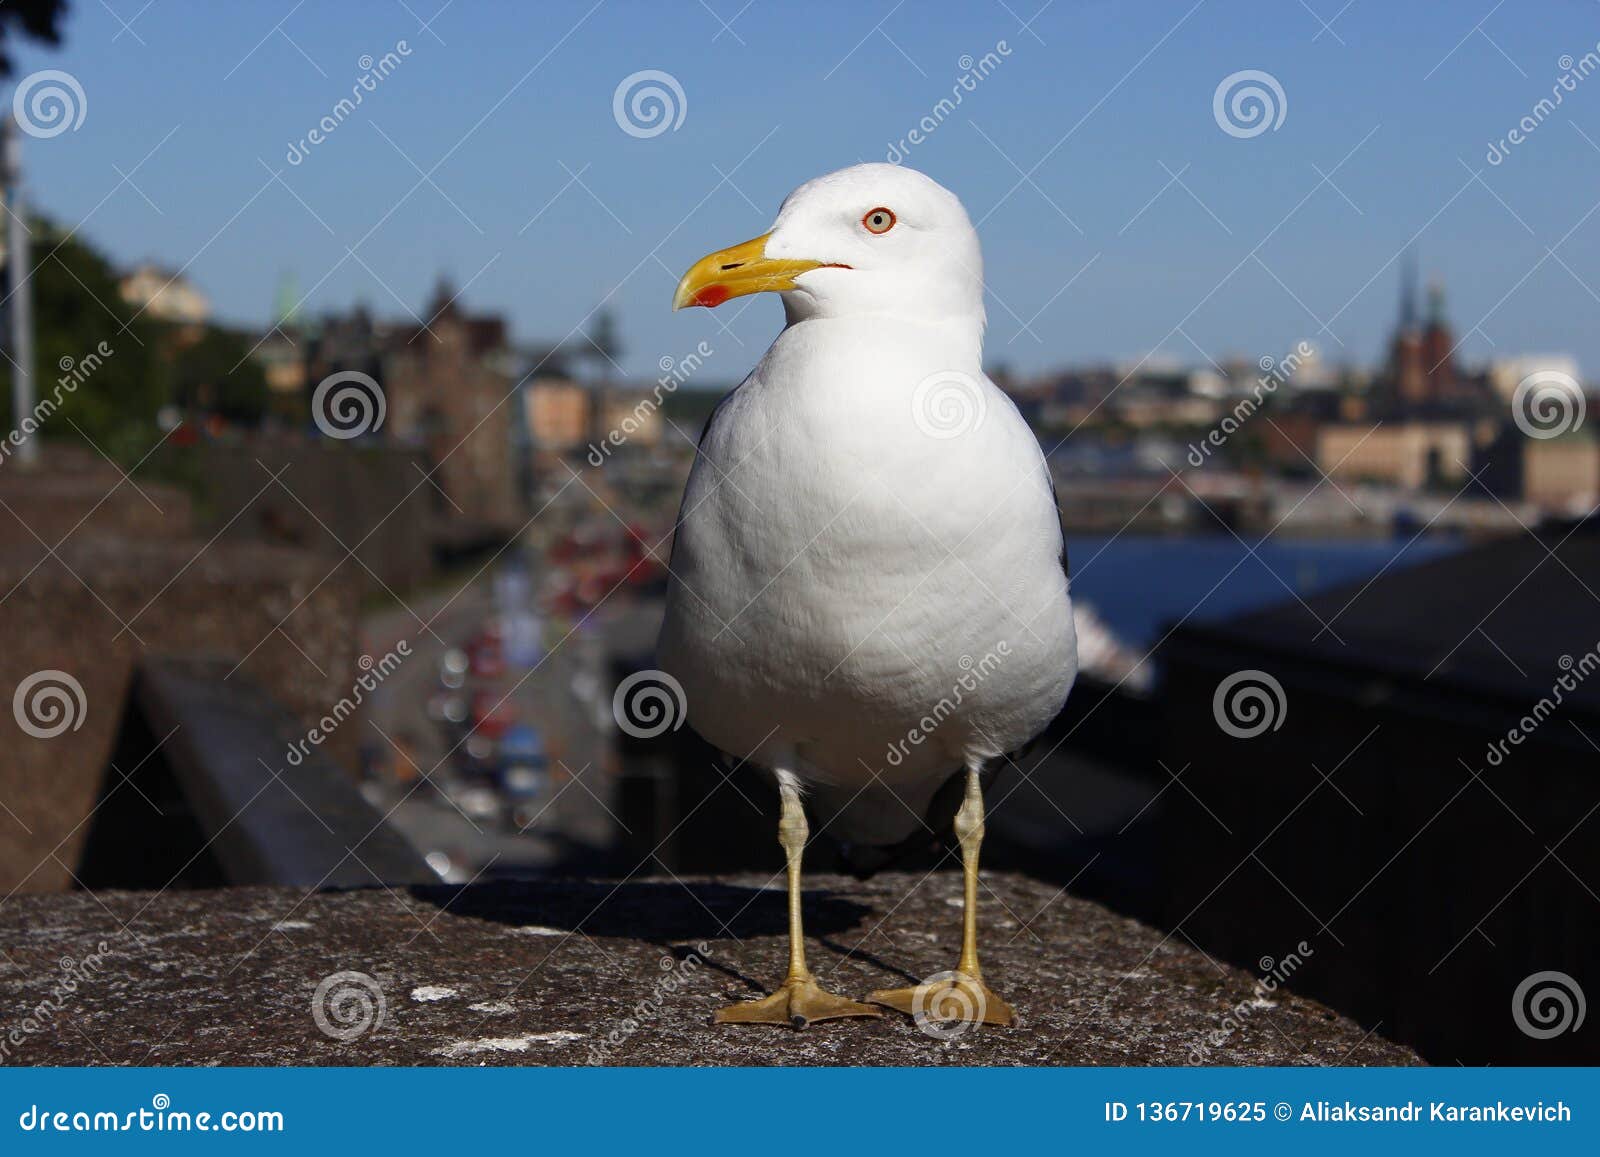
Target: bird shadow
[[647, 910], [663, 914]]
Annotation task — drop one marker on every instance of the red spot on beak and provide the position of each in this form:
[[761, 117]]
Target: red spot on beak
[[711, 296]]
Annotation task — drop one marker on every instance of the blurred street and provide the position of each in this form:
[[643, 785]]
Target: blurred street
[[493, 746]]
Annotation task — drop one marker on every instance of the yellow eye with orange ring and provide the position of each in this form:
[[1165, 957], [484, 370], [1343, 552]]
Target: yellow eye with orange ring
[[878, 221]]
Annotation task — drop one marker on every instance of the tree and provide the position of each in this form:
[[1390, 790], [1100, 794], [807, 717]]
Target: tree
[[40, 19], [215, 374], [96, 369]]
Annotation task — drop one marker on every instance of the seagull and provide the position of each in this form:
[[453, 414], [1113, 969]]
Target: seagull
[[868, 593]]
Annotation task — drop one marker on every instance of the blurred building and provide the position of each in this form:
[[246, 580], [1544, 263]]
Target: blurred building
[[633, 413], [448, 389], [1561, 473], [448, 385], [1426, 421], [165, 295], [283, 364], [565, 416], [1506, 374], [454, 387], [1423, 378], [1409, 454], [557, 410], [1422, 351], [281, 356]]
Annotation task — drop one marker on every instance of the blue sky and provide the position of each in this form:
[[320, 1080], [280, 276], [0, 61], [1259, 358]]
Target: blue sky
[[1180, 236]]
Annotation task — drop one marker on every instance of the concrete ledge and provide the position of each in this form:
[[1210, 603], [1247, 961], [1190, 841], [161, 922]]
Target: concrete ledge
[[276, 610], [265, 820], [62, 501], [584, 972]]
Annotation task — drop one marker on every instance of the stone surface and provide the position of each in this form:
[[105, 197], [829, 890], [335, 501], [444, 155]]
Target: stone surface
[[68, 497], [371, 500], [586, 972], [94, 608]]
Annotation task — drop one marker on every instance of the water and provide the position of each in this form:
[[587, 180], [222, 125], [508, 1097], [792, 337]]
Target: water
[[1141, 584]]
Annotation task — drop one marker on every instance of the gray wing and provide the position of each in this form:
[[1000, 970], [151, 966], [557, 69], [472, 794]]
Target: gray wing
[[716, 412], [1050, 478]]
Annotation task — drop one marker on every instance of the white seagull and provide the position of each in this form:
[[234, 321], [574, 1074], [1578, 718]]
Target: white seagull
[[869, 589]]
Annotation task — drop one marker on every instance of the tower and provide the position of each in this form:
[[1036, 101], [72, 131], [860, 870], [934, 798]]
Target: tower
[[1407, 361], [1438, 347], [1408, 289], [286, 302]]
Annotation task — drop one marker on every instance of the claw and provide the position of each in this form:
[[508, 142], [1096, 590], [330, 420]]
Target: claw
[[946, 1000], [799, 1002]]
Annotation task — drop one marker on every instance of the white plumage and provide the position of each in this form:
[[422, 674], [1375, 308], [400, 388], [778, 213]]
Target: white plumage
[[868, 588]]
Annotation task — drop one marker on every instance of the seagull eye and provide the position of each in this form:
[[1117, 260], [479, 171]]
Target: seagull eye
[[878, 221]]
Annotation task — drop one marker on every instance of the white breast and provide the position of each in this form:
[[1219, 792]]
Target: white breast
[[854, 596]]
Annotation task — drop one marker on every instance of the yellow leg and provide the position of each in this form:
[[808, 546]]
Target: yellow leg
[[800, 1000], [949, 1003]]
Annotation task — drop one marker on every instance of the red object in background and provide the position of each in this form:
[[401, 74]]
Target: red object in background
[[484, 657], [643, 556], [646, 571], [491, 716]]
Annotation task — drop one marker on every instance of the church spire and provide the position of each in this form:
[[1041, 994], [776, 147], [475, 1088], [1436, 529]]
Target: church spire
[[286, 303], [1408, 289], [1435, 304], [444, 296]]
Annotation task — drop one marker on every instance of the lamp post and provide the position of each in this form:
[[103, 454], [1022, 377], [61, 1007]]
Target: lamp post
[[19, 291]]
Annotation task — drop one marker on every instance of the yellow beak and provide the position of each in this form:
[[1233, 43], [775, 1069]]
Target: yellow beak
[[736, 272]]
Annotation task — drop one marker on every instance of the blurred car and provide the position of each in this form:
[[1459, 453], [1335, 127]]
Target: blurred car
[[522, 742], [524, 781], [524, 765], [478, 803]]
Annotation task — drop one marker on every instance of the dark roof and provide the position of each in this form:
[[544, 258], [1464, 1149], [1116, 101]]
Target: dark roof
[[1507, 617], [485, 334]]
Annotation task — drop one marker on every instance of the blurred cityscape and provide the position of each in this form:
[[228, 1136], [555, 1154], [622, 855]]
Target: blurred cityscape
[[401, 569]]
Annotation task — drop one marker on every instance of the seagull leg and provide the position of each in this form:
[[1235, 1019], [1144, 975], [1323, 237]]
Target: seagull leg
[[960, 996], [800, 1000]]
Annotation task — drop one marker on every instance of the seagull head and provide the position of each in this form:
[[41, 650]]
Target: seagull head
[[872, 240]]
